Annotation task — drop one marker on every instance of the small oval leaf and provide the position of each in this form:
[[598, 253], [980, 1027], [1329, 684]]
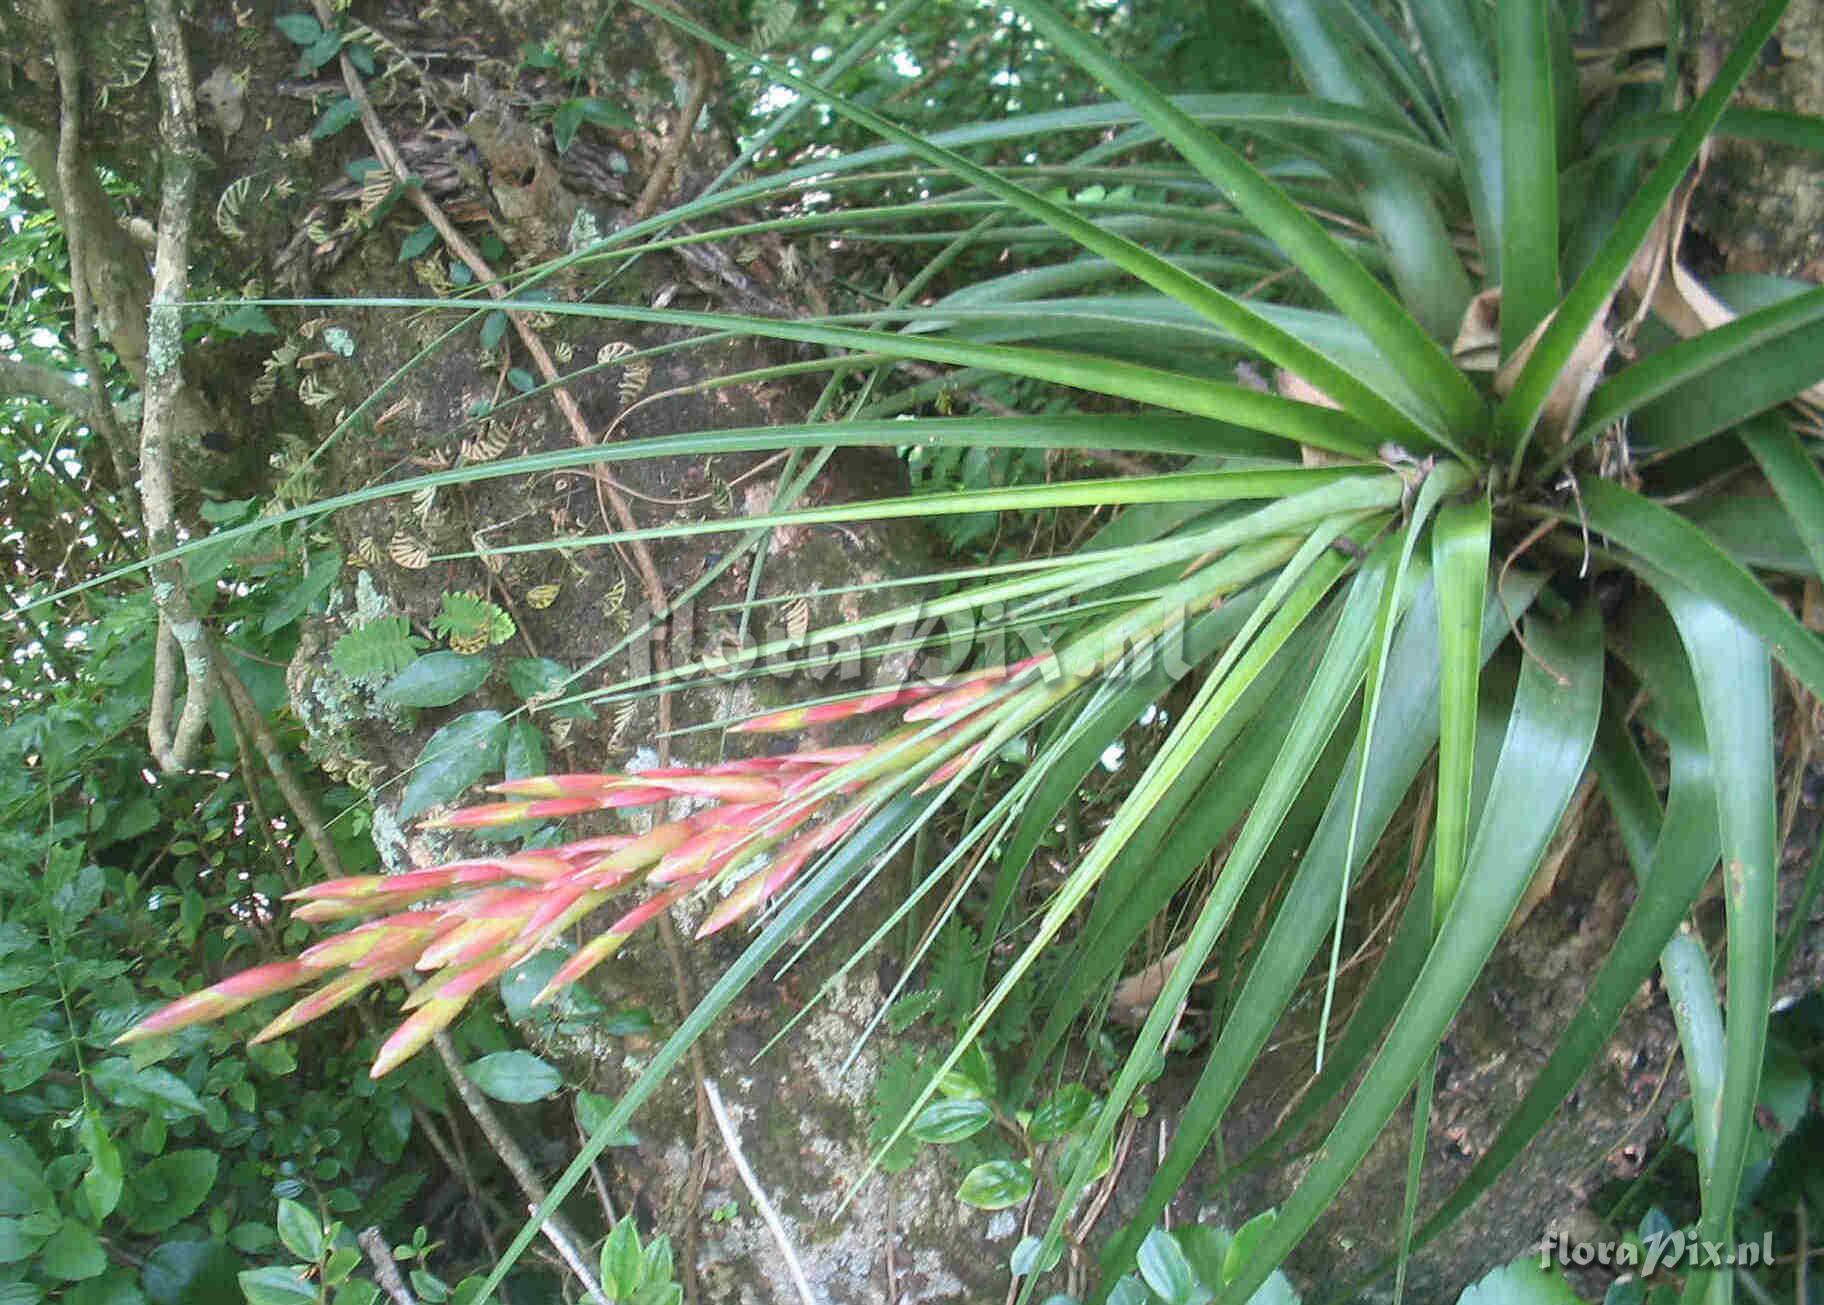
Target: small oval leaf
[[944, 1122], [514, 1076], [996, 1185]]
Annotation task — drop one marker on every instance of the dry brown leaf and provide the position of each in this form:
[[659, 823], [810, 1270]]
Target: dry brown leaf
[[412, 554]]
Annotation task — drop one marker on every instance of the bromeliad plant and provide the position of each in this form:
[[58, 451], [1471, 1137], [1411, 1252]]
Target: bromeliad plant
[[1477, 516]]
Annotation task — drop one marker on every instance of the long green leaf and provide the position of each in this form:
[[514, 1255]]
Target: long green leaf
[[1549, 738], [1342, 278], [1662, 542], [1425, 265], [1321, 709], [1672, 869], [1776, 370], [1231, 313], [1529, 172], [1800, 918], [1300, 583], [1195, 395], [1389, 48], [1152, 869], [1400, 746], [1686, 371], [1459, 553], [1590, 296], [1453, 48], [1104, 722], [1435, 488], [1393, 978], [1772, 126], [1154, 434], [1735, 689], [1172, 487], [1794, 476]]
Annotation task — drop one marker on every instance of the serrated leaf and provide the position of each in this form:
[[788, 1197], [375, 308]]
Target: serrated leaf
[[73, 1253], [436, 680], [514, 1076], [454, 758], [168, 1190], [341, 112], [564, 122], [382, 647], [530, 676], [415, 244], [321, 51], [1246, 1239], [149, 1088], [302, 597], [603, 114], [20, 1239], [253, 1238], [996, 1185], [1523, 1282], [248, 319], [1025, 1259], [102, 1181], [592, 1108], [468, 619]]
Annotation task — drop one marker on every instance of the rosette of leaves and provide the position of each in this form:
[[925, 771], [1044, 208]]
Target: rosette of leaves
[[1454, 472]]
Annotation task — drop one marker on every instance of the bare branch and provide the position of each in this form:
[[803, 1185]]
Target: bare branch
[[658, 185], [768, 1215], [309, 819], [76, 228], [511, 1155], [380, 1260], [22, 380], [164, 384]]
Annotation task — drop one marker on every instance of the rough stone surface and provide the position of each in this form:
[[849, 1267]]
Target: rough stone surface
[[1763, 206]]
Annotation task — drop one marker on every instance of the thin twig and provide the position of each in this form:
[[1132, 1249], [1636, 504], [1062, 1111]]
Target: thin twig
[[508, 1150], [658, 185], [768, 1214], [892, 1236], [303, 807], [458, 1165], [386, 1269], [165, 383], [596, 1179], [1799, 1293], [1520, 550], [567, 1251]]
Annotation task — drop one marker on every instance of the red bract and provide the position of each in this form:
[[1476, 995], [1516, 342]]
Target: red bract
[[464, 924]]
